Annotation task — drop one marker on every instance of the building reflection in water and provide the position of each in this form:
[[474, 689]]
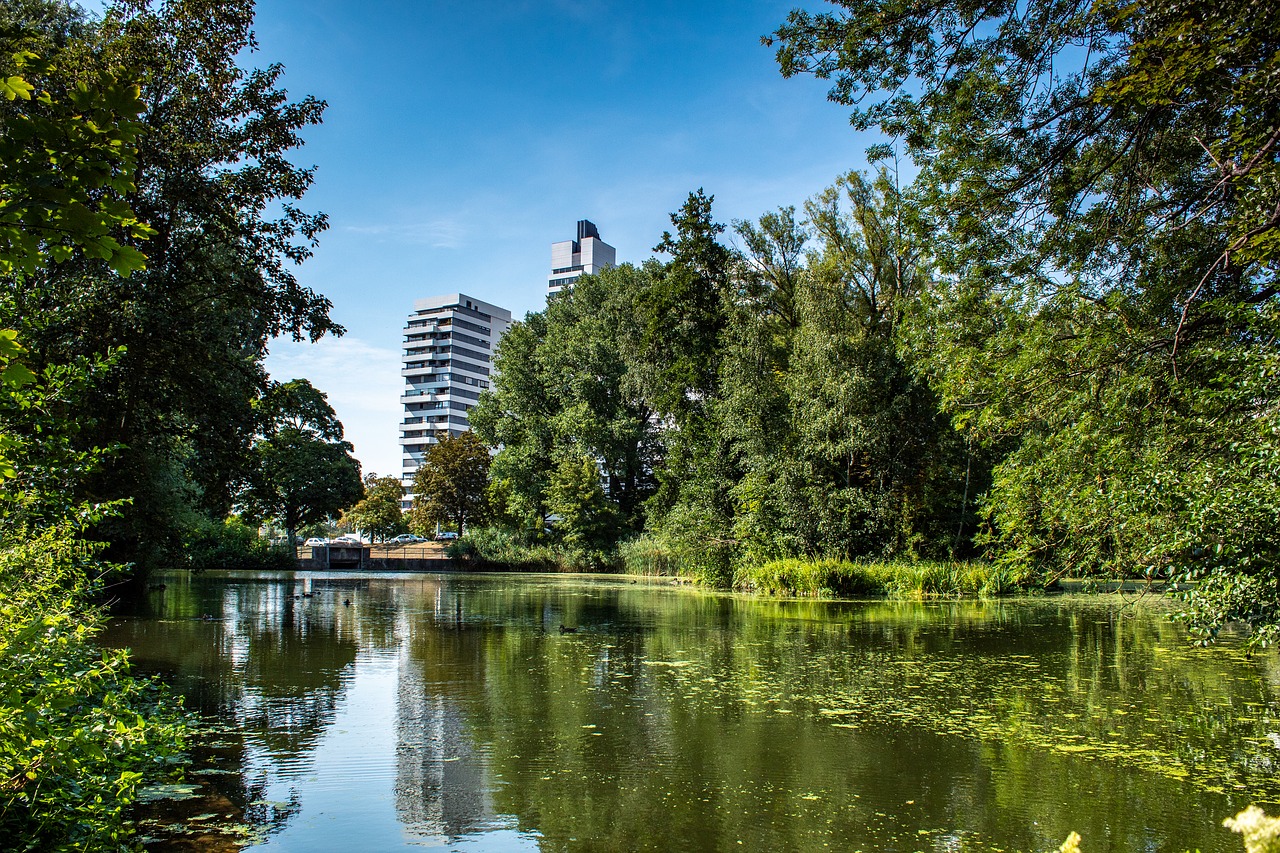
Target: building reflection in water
[[442, 786]]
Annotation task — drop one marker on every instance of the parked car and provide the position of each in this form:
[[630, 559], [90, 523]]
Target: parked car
[[446, 536], [347, 539], [407, 539], [314, 542]]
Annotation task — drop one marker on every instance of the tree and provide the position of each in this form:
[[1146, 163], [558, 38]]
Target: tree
[[451, 486], [1100, 184], [515, 415], [67, 159], [562, 388], [844, 450], [302, 470], [211, 175], [378, 513], [584, 518], [80, 735], [681, 312]]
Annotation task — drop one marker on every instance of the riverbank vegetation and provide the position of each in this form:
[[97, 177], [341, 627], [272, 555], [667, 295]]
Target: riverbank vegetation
[[1053, 349], [141, 279], [78, 733], [899, 579], [179, 394]]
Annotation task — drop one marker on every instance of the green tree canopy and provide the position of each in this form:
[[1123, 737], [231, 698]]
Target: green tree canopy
[[378, 513], [584, 519], [565, 387], [452, 485], [209, 170], [1099, 185], [67, 162], [303, 471], [79, 734]]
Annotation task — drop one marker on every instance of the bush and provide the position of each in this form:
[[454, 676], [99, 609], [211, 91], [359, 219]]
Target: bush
[[78, 733], [235, 546], [709, 562], [500, 547]]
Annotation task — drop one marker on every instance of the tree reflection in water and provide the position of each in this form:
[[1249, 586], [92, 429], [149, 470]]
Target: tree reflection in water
[[452, 710]]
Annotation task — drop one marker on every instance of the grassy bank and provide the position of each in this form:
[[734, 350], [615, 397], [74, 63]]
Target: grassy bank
[[821, 578], [499, 549]]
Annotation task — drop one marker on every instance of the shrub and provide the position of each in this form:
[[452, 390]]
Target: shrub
[[235, 546], [500, 547], [78, 733]]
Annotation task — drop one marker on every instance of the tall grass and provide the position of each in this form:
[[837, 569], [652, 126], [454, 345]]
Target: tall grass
[[709, 563], [496, 547], [897, 579], [647, 556]]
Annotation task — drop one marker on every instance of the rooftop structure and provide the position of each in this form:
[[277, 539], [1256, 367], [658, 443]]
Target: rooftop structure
[[572, 259]]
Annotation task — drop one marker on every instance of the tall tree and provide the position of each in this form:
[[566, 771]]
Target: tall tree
[[677, 356], [214, 183], [303, 471], [516, 416], [851, 456], [1101, 181], [682, 312], [563, 388], [452, 484], [378, 513], [80, 735]]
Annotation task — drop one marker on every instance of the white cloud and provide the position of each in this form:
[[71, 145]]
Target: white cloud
[[438, 233], [363, 384]]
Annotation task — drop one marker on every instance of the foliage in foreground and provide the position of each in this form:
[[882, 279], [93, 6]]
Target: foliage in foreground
[[78, 733], [1260, 832]]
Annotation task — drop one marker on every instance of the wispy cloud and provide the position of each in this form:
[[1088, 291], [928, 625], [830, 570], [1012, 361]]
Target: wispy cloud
[[438, 233]]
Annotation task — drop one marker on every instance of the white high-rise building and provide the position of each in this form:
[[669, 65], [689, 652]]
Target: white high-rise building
[[449, 343], [571, 259]]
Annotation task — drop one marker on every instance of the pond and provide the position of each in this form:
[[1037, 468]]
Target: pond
[[387, 712]]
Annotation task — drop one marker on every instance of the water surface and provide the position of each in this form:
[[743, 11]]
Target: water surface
[[389, 712]]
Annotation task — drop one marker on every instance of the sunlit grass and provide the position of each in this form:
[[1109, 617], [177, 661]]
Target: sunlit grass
[[826, 578]]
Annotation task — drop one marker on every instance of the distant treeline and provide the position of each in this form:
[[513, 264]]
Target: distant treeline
[[1054, 348]]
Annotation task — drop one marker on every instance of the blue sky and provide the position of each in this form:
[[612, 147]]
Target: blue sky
[[462, 139]]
